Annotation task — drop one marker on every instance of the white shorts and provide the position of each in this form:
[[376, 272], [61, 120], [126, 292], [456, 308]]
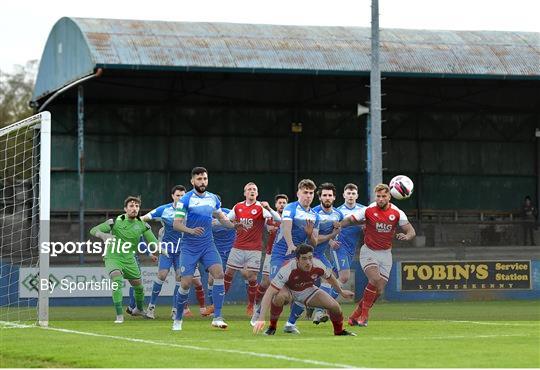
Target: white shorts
[[266, 265], [304, 296], [241, 259], [380, 258]]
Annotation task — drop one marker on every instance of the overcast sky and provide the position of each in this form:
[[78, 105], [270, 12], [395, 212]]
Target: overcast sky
[[25, 25]]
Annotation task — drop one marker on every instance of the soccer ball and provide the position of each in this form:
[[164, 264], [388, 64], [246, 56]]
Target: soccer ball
[[401, 187]]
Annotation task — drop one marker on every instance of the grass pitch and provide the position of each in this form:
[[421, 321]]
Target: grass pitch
[[442, 334]]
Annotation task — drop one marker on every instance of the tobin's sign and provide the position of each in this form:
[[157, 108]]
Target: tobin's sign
[[465, 275]]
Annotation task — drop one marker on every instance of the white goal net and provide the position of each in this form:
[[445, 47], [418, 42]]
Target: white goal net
[[24, 216]]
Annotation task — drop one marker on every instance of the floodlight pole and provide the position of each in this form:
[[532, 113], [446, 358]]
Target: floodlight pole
[[80, 162], [374, 130]]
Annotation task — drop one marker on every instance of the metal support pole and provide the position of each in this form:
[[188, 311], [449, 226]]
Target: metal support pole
[[80, 162], [537, 135], [374, 126], [296, 128]]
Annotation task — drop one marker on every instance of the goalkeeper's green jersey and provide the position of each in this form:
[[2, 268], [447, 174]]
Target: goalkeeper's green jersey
[[125, 231]]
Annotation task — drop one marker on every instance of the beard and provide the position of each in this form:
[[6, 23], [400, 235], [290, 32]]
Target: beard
[[328, 204], [200, 189]]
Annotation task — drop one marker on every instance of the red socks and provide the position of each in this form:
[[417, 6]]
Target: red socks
[[199, 291], [252, 292], [362, 309], [228, 281], [260, 294], [370, 295], [337, 322], [275, 311]]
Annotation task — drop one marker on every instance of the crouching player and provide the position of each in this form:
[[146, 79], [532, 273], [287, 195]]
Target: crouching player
[[295, 282]]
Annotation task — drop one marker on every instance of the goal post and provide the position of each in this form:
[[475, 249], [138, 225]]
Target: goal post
[[25, 172], [44, 213]]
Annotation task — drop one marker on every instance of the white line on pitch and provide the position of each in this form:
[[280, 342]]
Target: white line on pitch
[[476, 322], [196, 348]]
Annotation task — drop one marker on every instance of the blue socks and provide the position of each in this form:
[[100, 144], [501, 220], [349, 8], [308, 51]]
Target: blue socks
[[175, 294], [156, 289], [296, 312], [218, 296], [209, 290], [132, 303], [181, 302]]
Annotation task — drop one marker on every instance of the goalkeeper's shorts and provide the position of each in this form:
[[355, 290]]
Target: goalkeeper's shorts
[[129, 268]]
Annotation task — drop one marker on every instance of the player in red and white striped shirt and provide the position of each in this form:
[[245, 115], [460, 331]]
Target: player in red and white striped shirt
[[381, 219], [295, 282], [246, 252]]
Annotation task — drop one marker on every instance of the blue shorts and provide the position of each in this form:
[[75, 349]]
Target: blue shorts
[[189, 260], [323, 259], [224, 257], [341, 259], [276, 262], [173, 260]]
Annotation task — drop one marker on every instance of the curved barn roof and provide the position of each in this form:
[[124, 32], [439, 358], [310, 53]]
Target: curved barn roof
[[77, 46]]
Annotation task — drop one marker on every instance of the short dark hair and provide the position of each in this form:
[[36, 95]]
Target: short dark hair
[[177, 187], [350, 186], [132, 198], [303, 249], [326, 186], [281, 196], [197, 171]]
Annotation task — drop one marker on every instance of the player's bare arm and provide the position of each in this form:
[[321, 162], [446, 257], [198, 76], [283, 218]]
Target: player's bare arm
[[179, 224], [312, 233], [350, 221], [265, 307], [409, 234], [225, 221], [286, 226], [337, 287], [275, 216]]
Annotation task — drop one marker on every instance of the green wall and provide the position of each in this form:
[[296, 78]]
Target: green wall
[[457, 160]]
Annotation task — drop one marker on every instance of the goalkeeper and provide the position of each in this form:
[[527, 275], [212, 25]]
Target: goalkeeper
[[127, 229]]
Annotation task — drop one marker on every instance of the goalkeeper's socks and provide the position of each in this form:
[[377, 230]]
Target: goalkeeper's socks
[[131, 298], [218, 295], [139, 296], [156, 289], [117, 293], [209, 290], [296, 312], [175, 294], [181, 302]]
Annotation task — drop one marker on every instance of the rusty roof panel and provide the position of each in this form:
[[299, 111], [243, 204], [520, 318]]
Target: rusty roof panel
[[247, 46], [155, 44]]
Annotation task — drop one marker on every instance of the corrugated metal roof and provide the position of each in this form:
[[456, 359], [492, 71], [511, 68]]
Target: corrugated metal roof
[[133, 44]]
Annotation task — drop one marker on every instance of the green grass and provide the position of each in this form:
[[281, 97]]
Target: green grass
[[445, 334]]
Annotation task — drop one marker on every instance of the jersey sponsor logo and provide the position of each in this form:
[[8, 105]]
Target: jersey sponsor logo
[[391, 217], [383, 228], [247, 222]]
